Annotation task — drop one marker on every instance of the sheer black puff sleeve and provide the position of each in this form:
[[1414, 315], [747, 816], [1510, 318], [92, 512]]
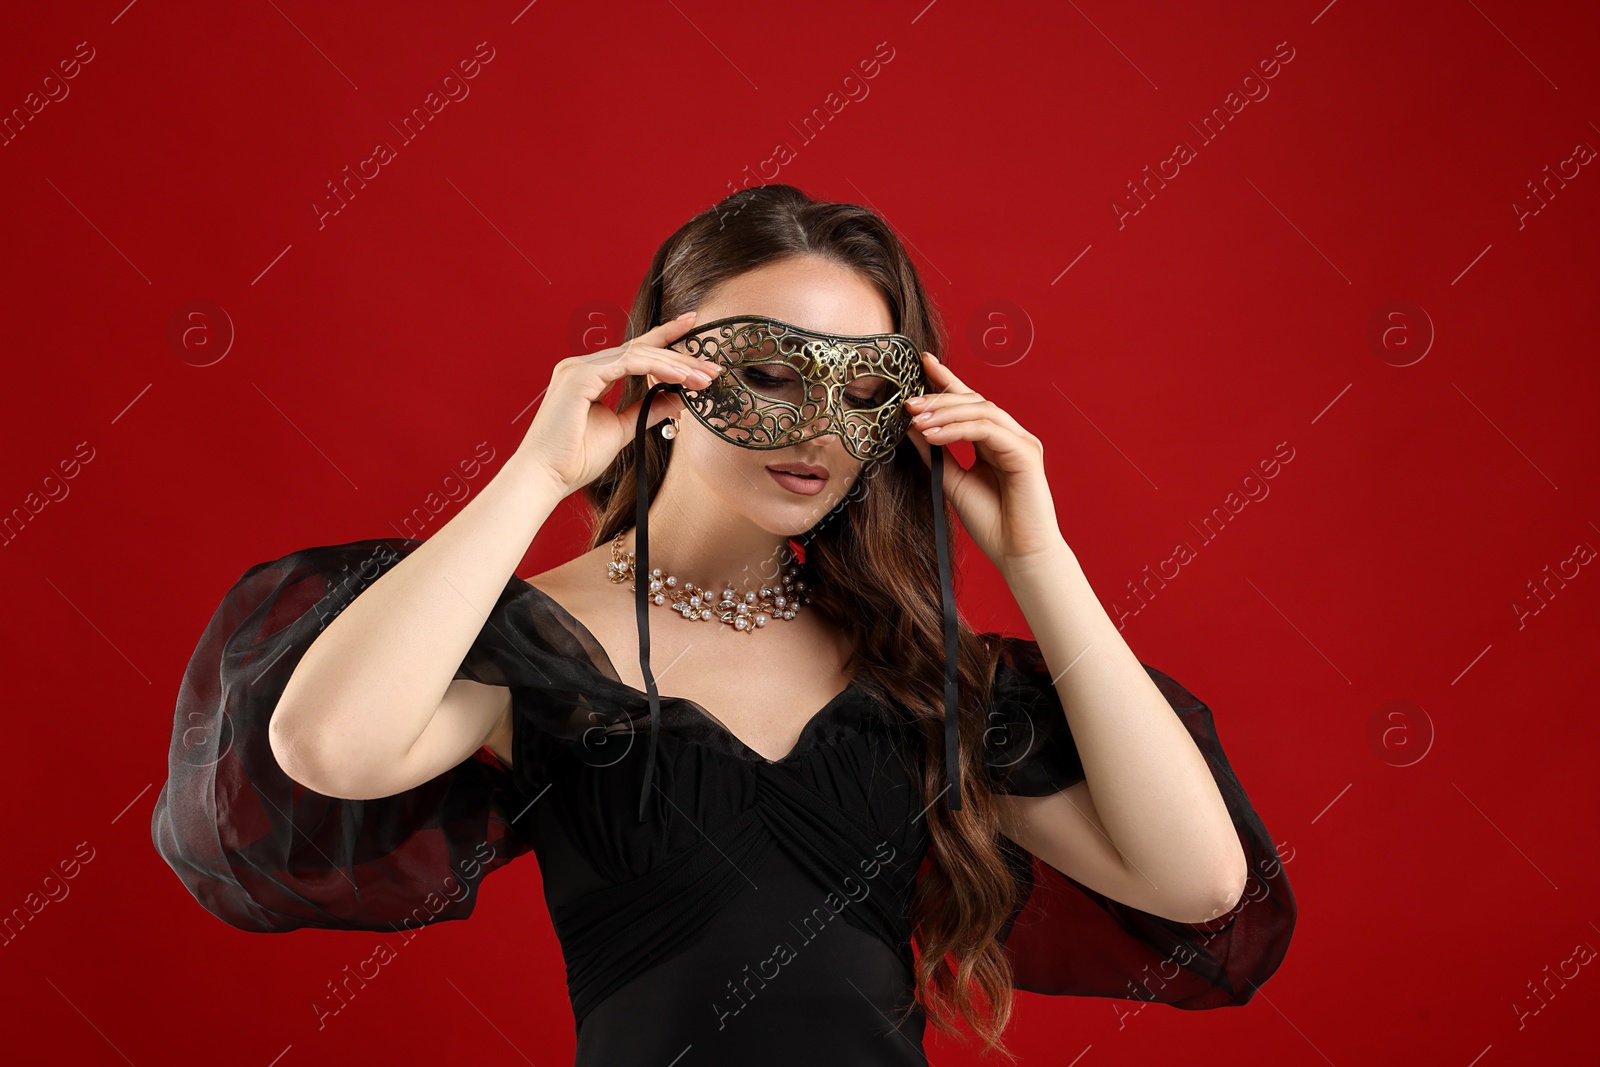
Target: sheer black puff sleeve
[[264, 853], [1064, 938]]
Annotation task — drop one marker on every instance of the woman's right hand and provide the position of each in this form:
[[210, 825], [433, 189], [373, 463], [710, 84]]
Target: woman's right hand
[[574, 435]]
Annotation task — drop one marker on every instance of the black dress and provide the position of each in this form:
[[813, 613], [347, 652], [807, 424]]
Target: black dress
[[759, 913]]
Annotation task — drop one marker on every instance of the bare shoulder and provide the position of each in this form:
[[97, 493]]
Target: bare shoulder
[[573, 586], [565, 579], [559, 583]]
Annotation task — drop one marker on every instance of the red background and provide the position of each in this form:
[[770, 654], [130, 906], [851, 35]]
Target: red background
[[1186, 343]]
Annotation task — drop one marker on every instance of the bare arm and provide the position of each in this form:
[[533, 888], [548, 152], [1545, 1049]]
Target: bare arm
[[1148, 826], [374, 708]]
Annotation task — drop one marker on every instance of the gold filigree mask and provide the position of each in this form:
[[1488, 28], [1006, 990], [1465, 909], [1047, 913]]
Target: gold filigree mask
[[785, 384]]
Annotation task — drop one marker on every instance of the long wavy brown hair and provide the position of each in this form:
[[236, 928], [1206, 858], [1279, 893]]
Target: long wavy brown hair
[[879, 544]]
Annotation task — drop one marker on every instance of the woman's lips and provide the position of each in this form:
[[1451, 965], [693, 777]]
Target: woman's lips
[[797, 484]]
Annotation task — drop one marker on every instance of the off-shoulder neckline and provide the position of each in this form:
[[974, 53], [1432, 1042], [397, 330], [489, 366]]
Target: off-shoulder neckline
[[609, 670]]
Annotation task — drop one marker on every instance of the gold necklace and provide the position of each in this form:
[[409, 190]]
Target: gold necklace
[[746, 614]]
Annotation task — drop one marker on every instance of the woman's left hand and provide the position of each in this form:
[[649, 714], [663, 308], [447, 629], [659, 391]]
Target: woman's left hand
[[1003, 499]]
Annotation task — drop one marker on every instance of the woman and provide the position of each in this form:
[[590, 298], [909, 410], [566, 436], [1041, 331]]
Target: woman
[[367, 730]]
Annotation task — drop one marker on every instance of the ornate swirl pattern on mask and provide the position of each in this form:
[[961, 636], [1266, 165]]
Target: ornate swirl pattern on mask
[[749, 407]]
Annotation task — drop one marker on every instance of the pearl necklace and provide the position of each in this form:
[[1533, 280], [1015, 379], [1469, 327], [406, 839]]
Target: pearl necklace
[[746, 614]]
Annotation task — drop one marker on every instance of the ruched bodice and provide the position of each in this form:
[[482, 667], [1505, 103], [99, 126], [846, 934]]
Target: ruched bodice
[[739, 868]]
